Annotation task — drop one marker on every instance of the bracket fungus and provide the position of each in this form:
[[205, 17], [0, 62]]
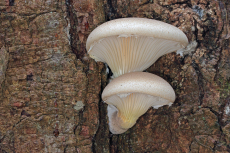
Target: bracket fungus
[[130, 95], [133, 44]]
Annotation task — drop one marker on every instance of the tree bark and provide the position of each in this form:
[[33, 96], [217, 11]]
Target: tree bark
[[50, 89]]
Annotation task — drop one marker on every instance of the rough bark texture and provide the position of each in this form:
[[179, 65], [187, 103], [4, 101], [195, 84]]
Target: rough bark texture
[[50, 89]]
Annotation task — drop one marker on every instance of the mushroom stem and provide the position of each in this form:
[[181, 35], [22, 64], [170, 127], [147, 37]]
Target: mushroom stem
[[125, 122]]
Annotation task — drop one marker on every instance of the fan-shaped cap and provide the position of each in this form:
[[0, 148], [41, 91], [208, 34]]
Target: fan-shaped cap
[[139, 82], [133, 44], [130, 95]]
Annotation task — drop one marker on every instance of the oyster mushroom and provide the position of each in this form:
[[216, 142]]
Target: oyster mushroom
[[130, 95], [133, 44]]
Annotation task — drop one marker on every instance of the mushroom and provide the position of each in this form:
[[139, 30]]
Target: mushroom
[[130, 95], [133, 44]]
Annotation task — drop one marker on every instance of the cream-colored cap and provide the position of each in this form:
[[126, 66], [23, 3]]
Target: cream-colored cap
[[137, 26], [130, 95], [139, 82], [133, 44]]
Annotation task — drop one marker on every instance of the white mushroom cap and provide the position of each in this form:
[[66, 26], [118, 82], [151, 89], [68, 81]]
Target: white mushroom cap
[[129, 96], [133, 44]]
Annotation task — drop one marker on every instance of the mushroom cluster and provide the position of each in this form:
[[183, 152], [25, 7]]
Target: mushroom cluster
[[129, 46]]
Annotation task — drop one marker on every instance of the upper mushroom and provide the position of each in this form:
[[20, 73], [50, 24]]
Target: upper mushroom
[[133, 44], [130, 95]]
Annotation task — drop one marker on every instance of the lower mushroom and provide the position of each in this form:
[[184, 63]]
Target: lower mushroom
[[131, 95]]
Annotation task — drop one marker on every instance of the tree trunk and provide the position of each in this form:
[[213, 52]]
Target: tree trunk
[[50, 89]]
